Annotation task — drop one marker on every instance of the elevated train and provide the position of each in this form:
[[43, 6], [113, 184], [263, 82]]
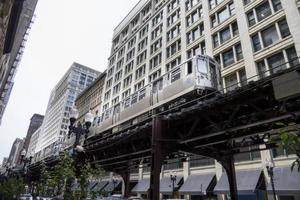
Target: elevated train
[[196, 76]]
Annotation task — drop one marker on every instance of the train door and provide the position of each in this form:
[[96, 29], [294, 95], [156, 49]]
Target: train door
[[213, 75], [156, 90], [202, 72]]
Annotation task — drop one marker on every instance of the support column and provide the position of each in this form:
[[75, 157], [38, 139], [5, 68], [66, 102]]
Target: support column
[[228, 163], [126, 181], [157, 156]]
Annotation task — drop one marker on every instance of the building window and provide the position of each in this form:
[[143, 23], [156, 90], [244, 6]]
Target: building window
[[215, 40], [173, 48], [172, 5], [235, 30], [225, 35], [292, 57], [284, 28], [173, 18], [139, 85], [256, 42], [223, 15], [157, 19], [228, 57], [143, 32], [261, 69], [155, 61], [231, 82], [276, 5], [246, 2], [175, 31], [173, 63], [263, 11], [269, 36], [252, 155], [156, 45], [238, 52], [140, 72], [154, 75], [193, 17], [199, 49], [276, 63], [195, 33], [251, 18], [243, 77]]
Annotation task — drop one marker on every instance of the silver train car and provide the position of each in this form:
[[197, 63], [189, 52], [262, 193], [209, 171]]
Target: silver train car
[[196, 76]]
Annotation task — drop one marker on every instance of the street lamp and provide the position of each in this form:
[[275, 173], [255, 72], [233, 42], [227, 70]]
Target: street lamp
[[79, 129], [270, 170], [25, 160], [173, 178]]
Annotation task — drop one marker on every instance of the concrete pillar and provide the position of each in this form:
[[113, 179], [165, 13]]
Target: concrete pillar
[[186, 173], [245, 40]]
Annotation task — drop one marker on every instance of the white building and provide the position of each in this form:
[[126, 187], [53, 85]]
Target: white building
[[33, 143], [62, 98], [246, 37]]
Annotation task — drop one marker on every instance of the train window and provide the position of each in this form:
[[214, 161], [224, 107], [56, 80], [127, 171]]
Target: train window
[[142, 94], [189, 67], [175, 75], [202, 66], [99, 120], [127, 102], [134, 98]]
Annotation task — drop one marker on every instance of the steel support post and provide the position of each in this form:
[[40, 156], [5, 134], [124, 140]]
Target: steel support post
[[157, 155], [126, 178], [228, 163]]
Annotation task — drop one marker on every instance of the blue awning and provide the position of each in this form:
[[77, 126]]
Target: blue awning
[[247, 182], [142, 186], [165, 186], [111, 186], [197, 184], [286, 182]]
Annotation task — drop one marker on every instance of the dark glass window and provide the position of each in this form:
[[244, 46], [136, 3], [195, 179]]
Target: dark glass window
[[292, 57], [243, 77], [276, 62], [231, 82], [246, 2], [276, 5], [261, 68], [269, 36], [225, 35], [228, 58], [238, 51], [215, 40], [235, 29], [284, 28], [263, 11], [251, 18], [256, 43]]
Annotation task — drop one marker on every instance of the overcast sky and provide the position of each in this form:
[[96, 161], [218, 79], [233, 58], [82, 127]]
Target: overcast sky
[[64, 31]]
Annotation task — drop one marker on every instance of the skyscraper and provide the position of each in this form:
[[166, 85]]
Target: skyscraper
[[61, 100], [35, 122]]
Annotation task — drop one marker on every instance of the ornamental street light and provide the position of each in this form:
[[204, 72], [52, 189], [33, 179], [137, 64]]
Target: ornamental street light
[[25, 160], [270, 170], [173, 178], [79, 129]]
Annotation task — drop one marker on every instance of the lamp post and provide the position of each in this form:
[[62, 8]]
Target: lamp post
[[270, 170], [25, 160], [79, 129], [173, 178]]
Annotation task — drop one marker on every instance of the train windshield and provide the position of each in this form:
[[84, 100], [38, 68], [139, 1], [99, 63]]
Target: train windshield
[[202, 65]]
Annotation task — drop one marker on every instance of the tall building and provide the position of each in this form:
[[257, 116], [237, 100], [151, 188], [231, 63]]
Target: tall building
[[31, 151], [35, 122], [90, 100], [246, 37], [15, 24], [14, 158], [62, 98], [250, 39]]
